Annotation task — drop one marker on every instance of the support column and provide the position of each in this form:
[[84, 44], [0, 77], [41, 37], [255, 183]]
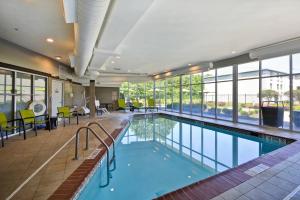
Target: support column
[[49, 96], [92, 99]]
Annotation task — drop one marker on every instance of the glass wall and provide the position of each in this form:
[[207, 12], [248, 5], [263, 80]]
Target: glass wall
[[18, 90], [236, 93]]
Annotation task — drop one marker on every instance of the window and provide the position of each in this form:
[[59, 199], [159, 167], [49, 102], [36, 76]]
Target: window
[[209, 93], [24, 93], [276, 71], [196, 93], [224, 93], [248, 93], [169, 94], [186, 94], [296, 92], [6, 87], [176, 94], [40, 89]]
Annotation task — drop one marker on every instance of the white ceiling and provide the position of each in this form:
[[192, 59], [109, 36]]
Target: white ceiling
[[153, 36], [37, 20]]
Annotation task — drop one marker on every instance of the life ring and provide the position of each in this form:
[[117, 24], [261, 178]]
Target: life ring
[[38, 107]]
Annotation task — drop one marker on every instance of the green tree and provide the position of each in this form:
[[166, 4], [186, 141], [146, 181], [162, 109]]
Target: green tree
[[269, 95]]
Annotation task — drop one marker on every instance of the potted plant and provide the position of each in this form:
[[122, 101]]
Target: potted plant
[[272, 115]]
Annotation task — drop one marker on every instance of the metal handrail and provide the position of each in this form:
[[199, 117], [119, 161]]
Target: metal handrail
[[105, 145], [113, 159]]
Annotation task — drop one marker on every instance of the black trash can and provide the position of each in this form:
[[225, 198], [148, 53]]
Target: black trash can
[[53, 122]]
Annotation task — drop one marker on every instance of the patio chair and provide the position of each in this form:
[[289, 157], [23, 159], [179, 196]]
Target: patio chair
[[65, 112], [122, 104], [136, 105], [5, 126], [151, 105], [99, 109], [28, 118]]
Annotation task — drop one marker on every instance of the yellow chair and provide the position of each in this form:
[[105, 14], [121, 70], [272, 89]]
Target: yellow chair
[[122, 104], [65, 112], [136, 105], [4, 126], [151, 105], [28, 117]]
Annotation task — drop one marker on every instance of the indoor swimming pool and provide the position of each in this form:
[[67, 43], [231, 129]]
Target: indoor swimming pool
[[159, 154]]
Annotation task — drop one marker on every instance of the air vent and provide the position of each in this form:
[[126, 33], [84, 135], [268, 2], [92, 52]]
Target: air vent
[[117, 68]]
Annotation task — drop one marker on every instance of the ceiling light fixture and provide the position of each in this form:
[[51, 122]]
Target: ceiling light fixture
[[57, 57], [190, 64], [112, 62], [50, 40], [233, 52], [118, 57]]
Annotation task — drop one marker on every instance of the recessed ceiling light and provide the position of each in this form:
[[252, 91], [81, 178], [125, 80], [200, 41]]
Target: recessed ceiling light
[[112, 62], [190, 64], [129, 70], [50, 40], [233, 52], [57, 57], [118, 57]]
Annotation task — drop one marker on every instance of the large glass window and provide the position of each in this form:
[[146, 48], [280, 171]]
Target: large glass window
[[176, 93], [248, 93], [6, 87], [40, 89], [124, 91], [186, 94], [169, 94], [257, 84], [296, 92], [224, 93], [209, 93], [24, 92], [196, 93], [275, 88]]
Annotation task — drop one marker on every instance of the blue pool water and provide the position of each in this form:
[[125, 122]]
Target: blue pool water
[[157, 155]]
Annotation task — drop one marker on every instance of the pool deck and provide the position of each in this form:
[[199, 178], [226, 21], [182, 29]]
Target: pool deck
[[27, 173]]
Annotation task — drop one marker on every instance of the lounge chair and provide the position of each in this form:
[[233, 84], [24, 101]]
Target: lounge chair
[[136, 105], [65, 112], [28, 117], [99, 109], [5, 126], [122, 104], [151, 105]]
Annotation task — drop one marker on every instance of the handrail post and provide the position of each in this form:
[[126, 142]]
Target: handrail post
[[113, 141], [102, 142], [76, 144], [87, 139]]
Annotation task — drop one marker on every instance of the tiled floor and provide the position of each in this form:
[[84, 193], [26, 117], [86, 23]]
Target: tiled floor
[[274, 176], [21, 158]]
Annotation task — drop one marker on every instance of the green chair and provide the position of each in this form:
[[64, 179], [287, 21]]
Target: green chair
[[122, 104], [28, 118], [136, 105], [65, 112], [151, 105], [5, 126]]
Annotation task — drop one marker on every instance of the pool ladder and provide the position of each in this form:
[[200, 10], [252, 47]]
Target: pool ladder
[[108, 160]]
